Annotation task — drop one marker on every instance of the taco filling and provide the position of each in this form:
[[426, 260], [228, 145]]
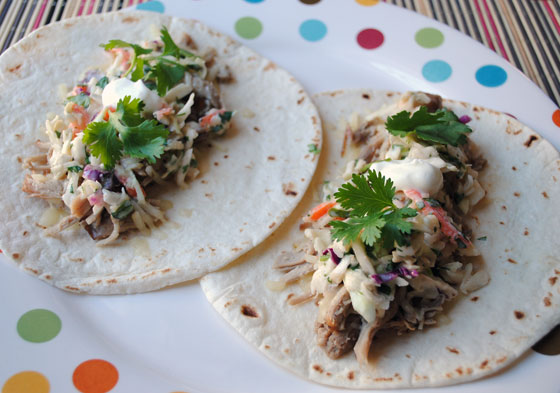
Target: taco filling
[[126, 128], [387, 246]]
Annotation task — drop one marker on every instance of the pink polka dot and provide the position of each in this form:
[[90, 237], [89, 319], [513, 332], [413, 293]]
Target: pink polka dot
[[370, 38]]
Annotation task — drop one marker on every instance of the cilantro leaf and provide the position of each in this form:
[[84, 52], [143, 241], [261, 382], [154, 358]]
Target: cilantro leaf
[[367, 195], [81, 99], [313, 148], [170, 48], [145, 140], [103, 142], [102, 82], [373, 217], [168, 75], [367, 228], [138, 50], [440, 127], [129, 111]]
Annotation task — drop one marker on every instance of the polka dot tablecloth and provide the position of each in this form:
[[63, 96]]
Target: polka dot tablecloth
[[171, 340]]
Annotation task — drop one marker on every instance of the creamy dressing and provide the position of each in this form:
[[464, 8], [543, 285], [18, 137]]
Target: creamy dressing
[[409, 174], [119, 88]]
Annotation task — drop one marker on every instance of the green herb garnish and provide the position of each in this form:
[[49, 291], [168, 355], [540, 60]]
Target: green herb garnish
[[75, 168], [440, 127], [81, 99], [373, 216], [123, 210], [126, 133], [313, 148], [102, 82]]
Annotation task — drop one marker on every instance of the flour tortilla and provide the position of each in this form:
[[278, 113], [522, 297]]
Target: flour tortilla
[[479, 333], [251, 179]]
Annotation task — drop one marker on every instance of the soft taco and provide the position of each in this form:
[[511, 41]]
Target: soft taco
[[143, 150], [422, 212]]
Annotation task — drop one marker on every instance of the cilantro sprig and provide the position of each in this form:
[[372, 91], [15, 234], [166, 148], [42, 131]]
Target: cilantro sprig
[[440, 127], [160, 71], [373, 217], [126, 132]]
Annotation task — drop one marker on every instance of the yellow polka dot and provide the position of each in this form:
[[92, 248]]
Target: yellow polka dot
[[367, 2], [27, 382]]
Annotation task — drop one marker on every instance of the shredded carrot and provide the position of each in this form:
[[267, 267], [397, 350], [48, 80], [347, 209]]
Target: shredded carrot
[[446, 227], [321, 209], [207, 120], [106, 115]]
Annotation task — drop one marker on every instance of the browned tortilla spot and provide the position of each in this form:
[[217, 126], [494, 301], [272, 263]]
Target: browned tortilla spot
[[235, 249], [502, 223], [469, 370], [226, 156], [351, 375], [267, 347], [519, 314], [201, 249], [272, 225], [381, 379], [249, 311], [32, 270], [531, 139], [459, 370], [514, 168], [517, 132], [552, 280], [365, 96], [474, 299], [504, 207], [99, 281], [130, 19], [484, 364], [227, 304], [328, 374], [501, 360], [547, 302], [72, 288], [15, 255], [288, 189], [408, 355], [111, 281], [314, 120], [257, 129], [526, 232], [452, 350], [287, 351], [15, 68], [516, 194], [19, 159], [216, 163], [271, 158], [48, 277], [544, 194], [556, 271], [166, 270], [318, 368], [269, 66], [512, 261], [300, 100], [449, 375], [492, 332], [208, 195]]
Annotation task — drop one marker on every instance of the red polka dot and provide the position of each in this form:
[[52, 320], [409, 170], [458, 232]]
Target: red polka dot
[[556, 117], [95, 376], [370, 38]]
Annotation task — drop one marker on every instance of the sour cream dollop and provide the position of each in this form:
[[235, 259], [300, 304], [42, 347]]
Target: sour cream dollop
[[413, 173], [122, 87]]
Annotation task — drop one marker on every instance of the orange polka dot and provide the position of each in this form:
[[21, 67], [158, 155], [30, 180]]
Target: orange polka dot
[[556, 117], [367, 2], [27, 382], [95, 376]]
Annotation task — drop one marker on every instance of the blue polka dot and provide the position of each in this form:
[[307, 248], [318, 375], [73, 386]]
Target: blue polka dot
[[313, 30], [491, 76], [436, 71], [154, 6], [254, 1]]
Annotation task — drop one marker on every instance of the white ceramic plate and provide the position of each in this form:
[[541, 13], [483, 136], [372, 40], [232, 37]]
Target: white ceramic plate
[[172, 340]]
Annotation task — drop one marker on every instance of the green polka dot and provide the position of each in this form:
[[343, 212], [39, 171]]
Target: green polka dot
[[429, 37], [39, 326], [248, 27]]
